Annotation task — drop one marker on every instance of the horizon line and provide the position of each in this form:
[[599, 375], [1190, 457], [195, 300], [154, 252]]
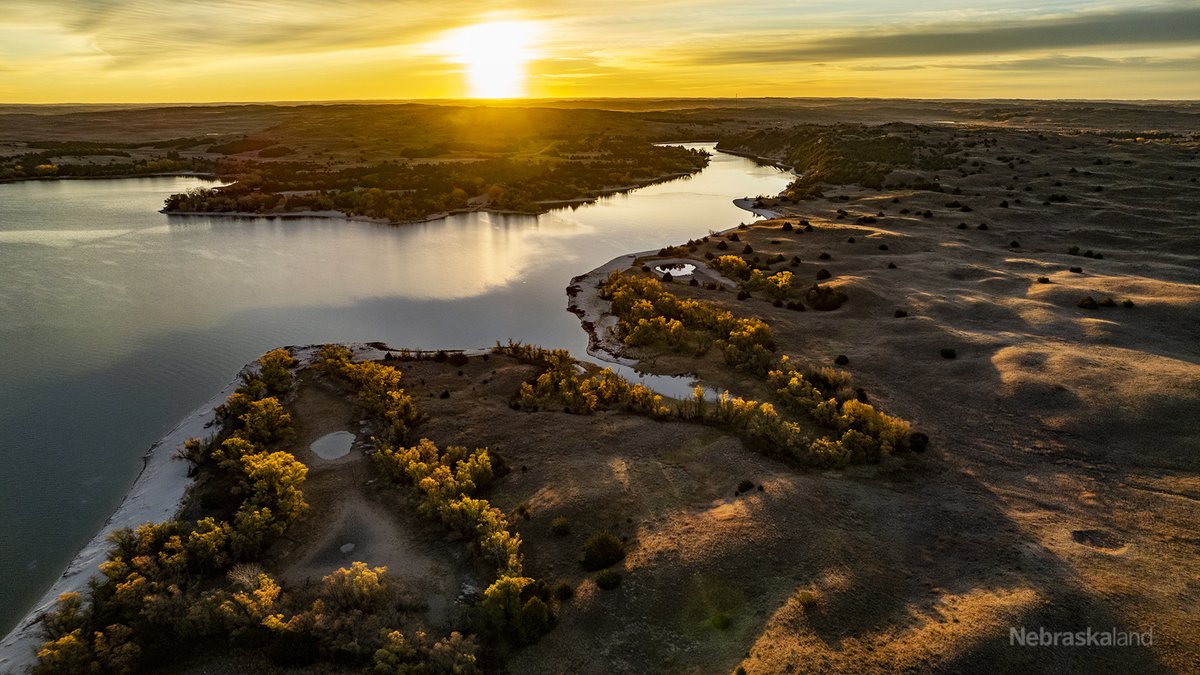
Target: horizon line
[[484, 102]]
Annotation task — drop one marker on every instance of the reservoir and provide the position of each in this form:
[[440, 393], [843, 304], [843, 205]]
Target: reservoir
[[117, 320]]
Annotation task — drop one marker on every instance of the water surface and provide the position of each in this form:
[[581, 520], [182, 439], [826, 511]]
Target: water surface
[[333, 446], [116, 320]]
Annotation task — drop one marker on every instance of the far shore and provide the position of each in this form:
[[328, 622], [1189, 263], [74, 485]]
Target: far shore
[[550, 205], [165, 174], [761, 160]]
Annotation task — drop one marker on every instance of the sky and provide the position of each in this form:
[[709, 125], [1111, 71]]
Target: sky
[[114, 51]]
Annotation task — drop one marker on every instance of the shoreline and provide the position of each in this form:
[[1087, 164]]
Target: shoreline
[[584, 301], [157, 494], [747, 204], [164, 174], [760, 159]]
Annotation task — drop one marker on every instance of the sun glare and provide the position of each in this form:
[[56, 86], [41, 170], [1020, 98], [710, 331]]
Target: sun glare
[[494, 55]]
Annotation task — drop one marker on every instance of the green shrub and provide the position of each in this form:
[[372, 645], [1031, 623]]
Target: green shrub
[[513, 608], [825, 298], [601, 550], [720, 621], [563, 591], [608, 580], [807, 599], [560, 527]]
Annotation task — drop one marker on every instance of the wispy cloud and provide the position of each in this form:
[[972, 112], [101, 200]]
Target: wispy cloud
[[1109, 29], [1059, 62]]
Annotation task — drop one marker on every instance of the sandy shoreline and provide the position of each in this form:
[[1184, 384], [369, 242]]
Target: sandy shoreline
[[747, 204]]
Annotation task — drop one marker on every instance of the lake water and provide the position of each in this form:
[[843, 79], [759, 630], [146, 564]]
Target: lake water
[[116, 320]]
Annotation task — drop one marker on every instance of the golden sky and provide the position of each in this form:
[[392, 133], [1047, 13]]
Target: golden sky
[[302, 50]]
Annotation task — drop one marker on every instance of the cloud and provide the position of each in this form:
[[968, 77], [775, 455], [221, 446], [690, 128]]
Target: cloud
[[170, 30], [1063, 62], [1111, 29]]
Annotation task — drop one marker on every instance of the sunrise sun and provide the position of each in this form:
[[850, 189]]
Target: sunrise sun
[[494, 55]]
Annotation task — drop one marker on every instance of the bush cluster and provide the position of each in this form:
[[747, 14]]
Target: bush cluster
[[754, 279], [562, 386], [379, 390], [648, 314], [155, 588], [515, 606], [866, 434]]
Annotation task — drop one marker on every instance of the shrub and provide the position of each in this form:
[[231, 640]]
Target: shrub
[[266, 421], [825, 298], [608, 580], [745, 486], [918, 442], [560, 527], [601, 550], [563, 591], [514, 608], [900, 314], [948, 353], [732, 266], [720, 621], [1076, 270], [1043, 280], [358, 588], [807, 599], [841, 360], [274, 370], [1088, 302], [274, 480]]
